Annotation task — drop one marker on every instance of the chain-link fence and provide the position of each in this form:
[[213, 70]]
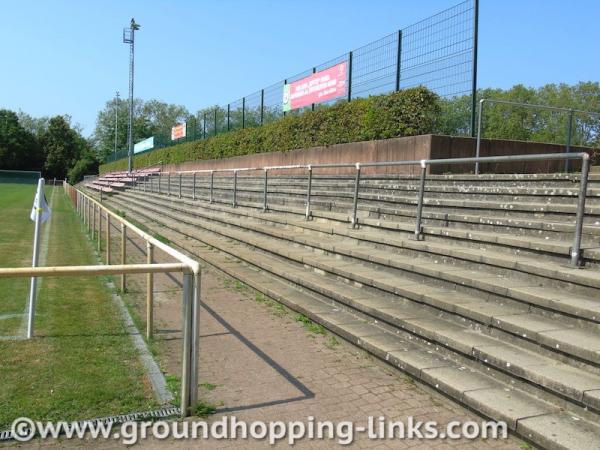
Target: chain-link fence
[[438, 52]]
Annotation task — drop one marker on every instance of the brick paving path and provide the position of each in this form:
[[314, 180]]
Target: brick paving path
[[259, 363]]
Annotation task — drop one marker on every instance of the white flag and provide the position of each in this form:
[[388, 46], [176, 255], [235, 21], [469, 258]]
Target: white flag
[[43, 205]]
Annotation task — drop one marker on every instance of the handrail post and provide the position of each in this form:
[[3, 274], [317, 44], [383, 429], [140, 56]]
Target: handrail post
[[194, 186], [355, 201], [145, 181], [212, 184], [308, 213], [179, 184], [93, 221], [99, 231], [149, 293], [168, 183], [265, 206], [234, 203], [576, 257], [159, 178], [123, 255], [195, 344], [418, 227], [107, 238], [186, 360], [478, 147]]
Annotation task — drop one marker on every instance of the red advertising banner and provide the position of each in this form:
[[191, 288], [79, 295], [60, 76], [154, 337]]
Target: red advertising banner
[[316, 88], [178, 131]]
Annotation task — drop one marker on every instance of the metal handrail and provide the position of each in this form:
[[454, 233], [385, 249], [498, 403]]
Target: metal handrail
[[87, 207], [575, 252]]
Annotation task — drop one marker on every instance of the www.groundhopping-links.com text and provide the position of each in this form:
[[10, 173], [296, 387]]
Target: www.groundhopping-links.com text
[[230, 428]]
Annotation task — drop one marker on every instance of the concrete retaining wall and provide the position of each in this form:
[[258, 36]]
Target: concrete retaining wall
[[397, 149]]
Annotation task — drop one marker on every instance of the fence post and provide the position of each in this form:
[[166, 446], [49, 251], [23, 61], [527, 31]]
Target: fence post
[[265, 207], [149, 292], [576, 259], [99, 231], [228, 116], [569, 136], [215, 121], [355, 202], [234, 203], [243, 112], [194, 186], [308, 213], [179, 184], [123, 255], [107, 238], [93, 221], [262, 105], [212, 183], [168, 183], [398, 60], [478, 147], [349, 76], [474, 68], [418, 228], [159, 178]]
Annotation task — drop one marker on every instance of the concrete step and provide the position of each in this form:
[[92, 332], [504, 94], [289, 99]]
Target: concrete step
[[476, 389], [456, 337]]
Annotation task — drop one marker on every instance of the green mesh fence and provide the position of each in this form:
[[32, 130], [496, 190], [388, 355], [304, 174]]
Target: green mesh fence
[[20, 176]]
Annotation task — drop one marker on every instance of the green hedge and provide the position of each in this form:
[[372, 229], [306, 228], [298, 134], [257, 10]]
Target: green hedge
[[405, 113]]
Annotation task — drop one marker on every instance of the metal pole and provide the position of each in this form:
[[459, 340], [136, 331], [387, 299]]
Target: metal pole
[[116, 123], [36, 254], [478, 145], [576, 259], [212, 179], [107, 238], [194, 186], [123, 255], [265, 207], [159, 178], [474, 67], [195, 339], [215, 121], [228, 116], [243, 112], [349, 76], [186, 360], [418, 228], [569, 137], [168, 183], [149, 292], [179, 185], [355, 202], [308, 213], [133, 28], [312, 105], [398, 60], [234, 204], [93, 221], [204, 127], [262, 105]]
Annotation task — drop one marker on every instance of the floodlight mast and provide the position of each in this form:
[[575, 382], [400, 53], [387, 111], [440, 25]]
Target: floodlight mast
[[129, 38]]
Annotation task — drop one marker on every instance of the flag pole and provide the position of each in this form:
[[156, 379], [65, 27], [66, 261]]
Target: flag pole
[[36, 253]]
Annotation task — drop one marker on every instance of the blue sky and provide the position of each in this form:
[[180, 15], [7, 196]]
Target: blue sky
[[67, 56]]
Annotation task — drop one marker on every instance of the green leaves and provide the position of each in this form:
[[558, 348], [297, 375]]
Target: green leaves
[[404, 113]]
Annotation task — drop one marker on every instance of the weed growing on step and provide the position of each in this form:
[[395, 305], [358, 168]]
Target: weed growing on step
[[204, 409], [208, 386], [310, 325], [525, 446], [332, 342]]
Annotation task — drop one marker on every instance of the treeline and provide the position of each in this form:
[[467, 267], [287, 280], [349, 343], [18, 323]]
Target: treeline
[[51, 145], [529, 124]]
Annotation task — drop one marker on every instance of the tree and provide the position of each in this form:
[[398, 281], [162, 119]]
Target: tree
[[63, 147], [19, 149], [150, 118]]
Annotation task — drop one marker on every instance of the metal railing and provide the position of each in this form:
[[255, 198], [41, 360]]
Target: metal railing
[[88, 208], [575, 251], [569, 111]]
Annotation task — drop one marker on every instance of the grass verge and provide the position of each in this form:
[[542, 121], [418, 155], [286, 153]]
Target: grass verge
[[81, 364]]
